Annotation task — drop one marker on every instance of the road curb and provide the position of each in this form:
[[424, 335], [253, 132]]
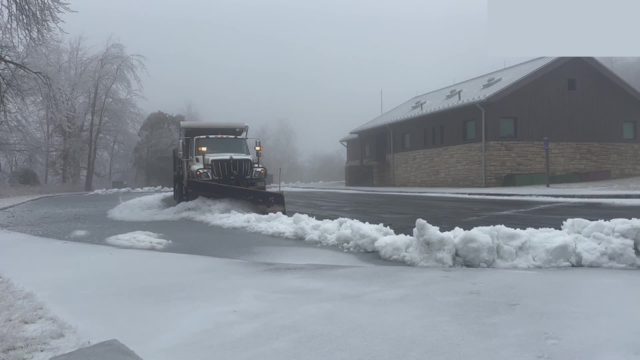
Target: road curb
[[557, 196], [37, 198]]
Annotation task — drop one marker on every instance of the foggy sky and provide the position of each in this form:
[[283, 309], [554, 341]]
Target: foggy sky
[[320, 64]]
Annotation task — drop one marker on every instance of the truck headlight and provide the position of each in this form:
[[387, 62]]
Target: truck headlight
[[204, 174], [259, 173]]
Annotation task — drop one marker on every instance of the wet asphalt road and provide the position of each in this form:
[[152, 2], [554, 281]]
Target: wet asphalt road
[[57, 217], [401, 211]]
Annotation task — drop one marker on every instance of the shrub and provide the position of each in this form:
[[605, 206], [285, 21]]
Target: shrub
[[24, 177]]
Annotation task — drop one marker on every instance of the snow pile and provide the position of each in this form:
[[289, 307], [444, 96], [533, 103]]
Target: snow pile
[[580, 242], [130, 190], [138, 240], [27, 330], [78, 233]]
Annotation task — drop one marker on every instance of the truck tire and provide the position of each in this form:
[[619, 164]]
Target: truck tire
[[178, 192]]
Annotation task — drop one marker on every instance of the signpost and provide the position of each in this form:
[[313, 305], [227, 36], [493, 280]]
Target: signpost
[[545, 144]]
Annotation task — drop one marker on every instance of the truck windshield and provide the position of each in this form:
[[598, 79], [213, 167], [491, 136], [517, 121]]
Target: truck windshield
[[223, 146]]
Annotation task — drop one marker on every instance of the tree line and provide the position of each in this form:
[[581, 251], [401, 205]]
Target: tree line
[[70, 115], [68, 111]]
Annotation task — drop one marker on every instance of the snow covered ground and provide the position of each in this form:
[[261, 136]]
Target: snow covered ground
[[78, 233], [138, 240], [130, 190], [580, 242], [628, 186], [173, 306], [28, 330]]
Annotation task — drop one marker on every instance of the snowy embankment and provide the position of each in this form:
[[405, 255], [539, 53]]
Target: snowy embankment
[[138, 240], [28, 330], [580, 242], [130, 190]]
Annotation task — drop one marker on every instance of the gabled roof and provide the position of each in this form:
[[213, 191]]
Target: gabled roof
[[349, 137], [461, 94]]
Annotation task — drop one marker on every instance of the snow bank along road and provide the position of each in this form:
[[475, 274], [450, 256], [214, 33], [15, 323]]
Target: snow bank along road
[[580, 242], [174, 306]]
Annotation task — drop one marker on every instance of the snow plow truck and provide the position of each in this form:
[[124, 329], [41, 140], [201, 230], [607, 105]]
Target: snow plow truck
[[213, 160]]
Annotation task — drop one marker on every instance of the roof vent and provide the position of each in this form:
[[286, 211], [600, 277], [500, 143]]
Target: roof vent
[[491, 81], [453, 93], [418, 104]]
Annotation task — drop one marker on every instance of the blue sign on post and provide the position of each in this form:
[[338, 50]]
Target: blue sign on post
[[545, 143]]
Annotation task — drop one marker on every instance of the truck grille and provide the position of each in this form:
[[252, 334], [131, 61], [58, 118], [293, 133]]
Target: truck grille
[[228, 168]]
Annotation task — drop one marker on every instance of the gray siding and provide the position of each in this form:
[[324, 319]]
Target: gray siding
[[593, 113]]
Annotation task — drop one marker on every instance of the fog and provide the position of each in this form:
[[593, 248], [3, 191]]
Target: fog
[[321, 65]]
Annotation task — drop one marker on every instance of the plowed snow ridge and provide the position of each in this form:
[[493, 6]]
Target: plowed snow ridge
[[580, 242]]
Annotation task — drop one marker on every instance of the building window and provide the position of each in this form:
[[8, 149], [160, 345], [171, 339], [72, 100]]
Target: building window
[[469, 130], [508, 128], [406, 140], [572, 84], [425, 137], [367, 151], [433, 136], [629, 130], [441, 134]]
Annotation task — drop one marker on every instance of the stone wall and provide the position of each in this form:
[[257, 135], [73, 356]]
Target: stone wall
[[449, 166], [382, 173], [461, 166], [521, 157]]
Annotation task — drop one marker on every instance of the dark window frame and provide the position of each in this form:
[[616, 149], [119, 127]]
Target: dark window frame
[[572, 84], [465, 135], [441, 134], [515, 127], [406, 145], [367, 151], [425, 135], [635, 130]]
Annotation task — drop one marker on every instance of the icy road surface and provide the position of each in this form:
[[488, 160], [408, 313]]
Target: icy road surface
[[83, 218], [174, 306]]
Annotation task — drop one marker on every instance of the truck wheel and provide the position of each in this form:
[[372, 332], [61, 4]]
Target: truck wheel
[[178, 194]]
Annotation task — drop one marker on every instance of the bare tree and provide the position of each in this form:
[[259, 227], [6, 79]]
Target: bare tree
[[115, 77], [24, 25], [280, 144]]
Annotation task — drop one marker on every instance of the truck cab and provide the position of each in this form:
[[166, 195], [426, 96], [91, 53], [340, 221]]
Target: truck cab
[[219, 153]]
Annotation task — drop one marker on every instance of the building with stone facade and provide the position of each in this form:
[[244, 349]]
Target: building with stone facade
[[488, 130]]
